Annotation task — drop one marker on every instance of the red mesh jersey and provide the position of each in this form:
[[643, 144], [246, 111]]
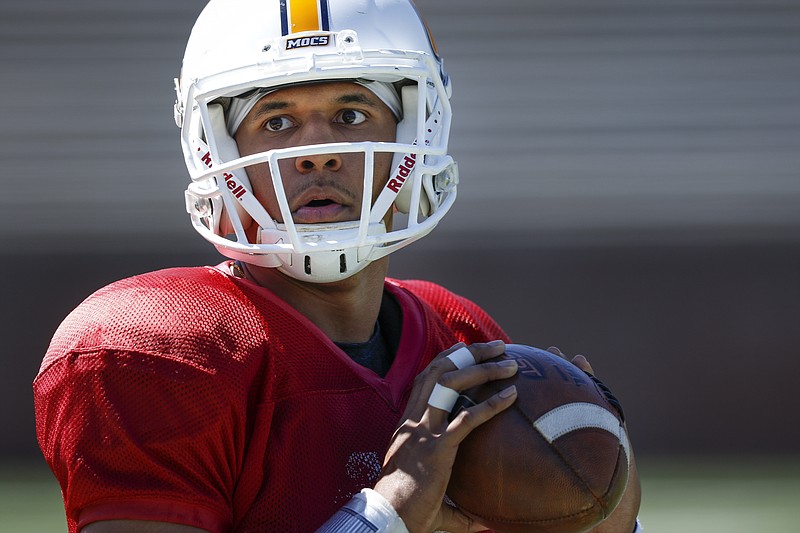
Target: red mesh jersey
[[190, 396]]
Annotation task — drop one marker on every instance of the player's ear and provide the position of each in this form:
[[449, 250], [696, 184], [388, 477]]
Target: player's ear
[[226, 226]]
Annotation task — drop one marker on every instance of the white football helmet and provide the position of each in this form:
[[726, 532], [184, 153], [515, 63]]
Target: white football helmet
[[240, 46]]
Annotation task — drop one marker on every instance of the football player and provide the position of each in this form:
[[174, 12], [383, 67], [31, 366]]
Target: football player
[[294, 386]]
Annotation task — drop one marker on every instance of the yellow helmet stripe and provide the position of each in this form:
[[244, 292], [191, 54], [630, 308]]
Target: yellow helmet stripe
[[306, 15]]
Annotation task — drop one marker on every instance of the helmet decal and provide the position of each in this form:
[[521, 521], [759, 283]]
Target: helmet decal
[[304, 15]]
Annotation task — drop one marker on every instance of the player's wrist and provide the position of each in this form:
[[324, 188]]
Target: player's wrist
[[366, 508]]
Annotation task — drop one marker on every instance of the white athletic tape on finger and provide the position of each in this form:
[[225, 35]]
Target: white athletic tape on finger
[[443, 398], [462, 358]]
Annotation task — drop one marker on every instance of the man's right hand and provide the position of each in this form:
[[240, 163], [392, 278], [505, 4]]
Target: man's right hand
[[418, 464]]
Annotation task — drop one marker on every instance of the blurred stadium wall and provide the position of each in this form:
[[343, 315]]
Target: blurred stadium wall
[[630, 191]]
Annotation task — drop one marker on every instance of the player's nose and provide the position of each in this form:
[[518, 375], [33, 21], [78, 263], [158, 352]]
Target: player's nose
[[317, 131], [318, 162]]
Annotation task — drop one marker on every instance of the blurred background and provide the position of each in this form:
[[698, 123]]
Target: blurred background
[[630, 191]]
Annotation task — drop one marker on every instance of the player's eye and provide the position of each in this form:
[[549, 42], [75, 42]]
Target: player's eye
[[351, 116], [278, 124]]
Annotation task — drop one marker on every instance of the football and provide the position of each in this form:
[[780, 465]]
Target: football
[[556, 461]]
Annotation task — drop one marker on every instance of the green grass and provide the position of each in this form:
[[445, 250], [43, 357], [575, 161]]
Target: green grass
[[30, 500], [743, 495], [702, 496]]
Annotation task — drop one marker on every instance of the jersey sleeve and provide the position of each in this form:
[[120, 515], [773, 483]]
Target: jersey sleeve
[[157, 451], [136, 414], [458, 316]]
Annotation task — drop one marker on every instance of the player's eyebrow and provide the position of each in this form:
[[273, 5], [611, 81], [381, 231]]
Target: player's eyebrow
[[348, 98], [263, 108], [356, 98]]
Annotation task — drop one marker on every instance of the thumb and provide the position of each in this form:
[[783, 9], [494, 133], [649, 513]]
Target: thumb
[[455, 521]]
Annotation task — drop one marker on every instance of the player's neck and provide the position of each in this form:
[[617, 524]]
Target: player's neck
[[346, 311]]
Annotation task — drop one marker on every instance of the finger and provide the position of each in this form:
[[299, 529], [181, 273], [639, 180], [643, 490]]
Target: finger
[[421, 390], [479, 374], [556, 351], [461, 357], [452, 519], [579, 360], [480, 351], [442, 364], [442, 398], [489, 350], [582, 363], [445, 393], [468, 419]]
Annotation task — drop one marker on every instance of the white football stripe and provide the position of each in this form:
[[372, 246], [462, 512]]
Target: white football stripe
[[572, 416]]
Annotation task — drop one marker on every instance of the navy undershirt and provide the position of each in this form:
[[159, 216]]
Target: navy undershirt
[[378, 352]]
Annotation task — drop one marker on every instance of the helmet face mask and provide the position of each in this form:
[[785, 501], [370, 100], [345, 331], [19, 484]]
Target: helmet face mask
[[346, 45]]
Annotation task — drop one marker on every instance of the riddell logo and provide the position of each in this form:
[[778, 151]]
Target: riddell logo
[[233, 186], [303, 42], [403, 172], [230, 180]]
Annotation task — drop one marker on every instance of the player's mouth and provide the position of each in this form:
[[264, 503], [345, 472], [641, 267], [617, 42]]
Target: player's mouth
[[322, 208]]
